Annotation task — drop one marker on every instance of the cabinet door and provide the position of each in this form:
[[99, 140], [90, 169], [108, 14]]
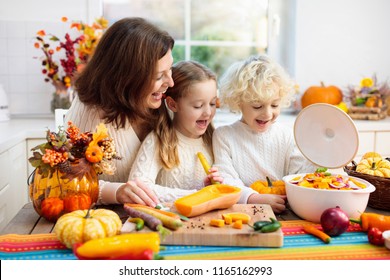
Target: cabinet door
[[382, 144], [6, 212], [18, 176], [4, 169]]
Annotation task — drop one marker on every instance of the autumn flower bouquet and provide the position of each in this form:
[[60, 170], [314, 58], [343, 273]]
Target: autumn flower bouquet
[[73, 53], [67, 169], [73, 153]]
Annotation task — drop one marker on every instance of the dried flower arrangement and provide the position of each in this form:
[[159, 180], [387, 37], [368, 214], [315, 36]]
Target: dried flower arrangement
[[368, 99]]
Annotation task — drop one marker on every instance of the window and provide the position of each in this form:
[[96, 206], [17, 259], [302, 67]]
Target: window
[[213, 32]]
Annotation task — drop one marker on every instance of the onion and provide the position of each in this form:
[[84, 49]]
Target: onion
[[334, 221]]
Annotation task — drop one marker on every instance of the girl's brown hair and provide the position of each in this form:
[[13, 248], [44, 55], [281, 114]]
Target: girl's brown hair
[[120, 73], [184, 74]]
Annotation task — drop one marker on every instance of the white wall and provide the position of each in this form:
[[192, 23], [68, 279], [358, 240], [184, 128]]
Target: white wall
[[341, 41], [335, 41], [20, 73]]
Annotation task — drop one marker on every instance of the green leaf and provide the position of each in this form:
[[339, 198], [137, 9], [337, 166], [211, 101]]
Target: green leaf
[[321, 170]]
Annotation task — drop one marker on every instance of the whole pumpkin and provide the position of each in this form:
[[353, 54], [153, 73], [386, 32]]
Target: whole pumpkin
[[371, 155], [75, 202], [269, 187], [82, 225], [51, 208], [321, 94], [374, 166]]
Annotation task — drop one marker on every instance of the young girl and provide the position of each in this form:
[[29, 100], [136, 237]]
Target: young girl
[[167, 160], [257, 146]]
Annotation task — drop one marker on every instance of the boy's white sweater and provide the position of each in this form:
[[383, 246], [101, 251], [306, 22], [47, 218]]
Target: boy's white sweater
[[244, 156]]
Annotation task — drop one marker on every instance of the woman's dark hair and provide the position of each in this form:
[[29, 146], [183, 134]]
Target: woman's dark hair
[[120, 73]]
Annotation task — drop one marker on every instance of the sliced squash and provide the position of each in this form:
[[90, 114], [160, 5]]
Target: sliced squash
[[209, 198], [235, 216]]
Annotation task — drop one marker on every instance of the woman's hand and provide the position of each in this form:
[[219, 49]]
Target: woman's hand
[[277, 202], [213, 177], [136, 191]]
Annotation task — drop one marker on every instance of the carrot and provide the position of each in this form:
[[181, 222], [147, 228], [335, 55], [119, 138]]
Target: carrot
[[152, 222], [318, 233], [167, 221], [170, 214]]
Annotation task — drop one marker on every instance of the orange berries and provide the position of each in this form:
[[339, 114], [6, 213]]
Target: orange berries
[[53, 158]]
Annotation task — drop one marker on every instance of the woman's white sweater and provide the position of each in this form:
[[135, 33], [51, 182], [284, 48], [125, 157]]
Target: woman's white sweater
[[126, 142]]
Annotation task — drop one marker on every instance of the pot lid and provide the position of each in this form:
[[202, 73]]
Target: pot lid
[[326, 135]]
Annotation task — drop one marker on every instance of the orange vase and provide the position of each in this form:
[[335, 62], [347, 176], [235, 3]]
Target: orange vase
[[53, 196]]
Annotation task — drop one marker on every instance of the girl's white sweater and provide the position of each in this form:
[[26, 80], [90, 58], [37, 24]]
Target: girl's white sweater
[[178, 181]]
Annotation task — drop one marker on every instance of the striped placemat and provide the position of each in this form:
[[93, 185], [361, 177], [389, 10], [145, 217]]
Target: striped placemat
[[351, 245]]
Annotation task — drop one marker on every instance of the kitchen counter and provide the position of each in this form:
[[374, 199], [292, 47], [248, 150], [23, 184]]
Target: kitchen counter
[[17, 130]]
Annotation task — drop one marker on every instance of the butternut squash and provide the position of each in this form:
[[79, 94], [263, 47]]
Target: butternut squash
[[235, 216], [209, 198]]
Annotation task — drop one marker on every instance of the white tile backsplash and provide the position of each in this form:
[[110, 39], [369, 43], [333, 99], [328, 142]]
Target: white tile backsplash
[[21, 65], [18, 103], [17, 65], [18, 84], [16, 47], [3, 30], [3, 47], [3, 65], [16, 29]]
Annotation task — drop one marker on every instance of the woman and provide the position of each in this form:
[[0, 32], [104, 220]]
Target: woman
[[122, 86]]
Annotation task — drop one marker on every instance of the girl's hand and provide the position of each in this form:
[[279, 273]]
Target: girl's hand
[[277, 202], [136, 191], [213, 177]]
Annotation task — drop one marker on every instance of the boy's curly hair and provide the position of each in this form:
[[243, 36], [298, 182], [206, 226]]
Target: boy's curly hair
[[255, 79]]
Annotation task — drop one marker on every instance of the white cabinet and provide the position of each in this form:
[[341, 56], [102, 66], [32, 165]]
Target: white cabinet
[[382, 143], [13, 182], [366, 144], [373, 141]]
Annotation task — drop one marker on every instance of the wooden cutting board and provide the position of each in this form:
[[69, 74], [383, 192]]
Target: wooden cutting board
[[197, 230]]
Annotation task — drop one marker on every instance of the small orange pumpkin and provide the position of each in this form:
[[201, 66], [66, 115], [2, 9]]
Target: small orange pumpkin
[[77, 202], [268, 187], [94, 154], [51, 208], [322, 94]]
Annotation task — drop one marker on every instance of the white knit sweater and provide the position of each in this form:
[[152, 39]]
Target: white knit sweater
[[126, 142], [179, 181], [244, 156]]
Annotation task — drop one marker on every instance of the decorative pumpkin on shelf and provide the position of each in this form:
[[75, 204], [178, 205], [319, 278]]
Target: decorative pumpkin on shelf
[[83, 225], [373, 164], [321, 94], [269, 187]]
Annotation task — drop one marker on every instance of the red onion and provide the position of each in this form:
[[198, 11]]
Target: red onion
[[334, 221]]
